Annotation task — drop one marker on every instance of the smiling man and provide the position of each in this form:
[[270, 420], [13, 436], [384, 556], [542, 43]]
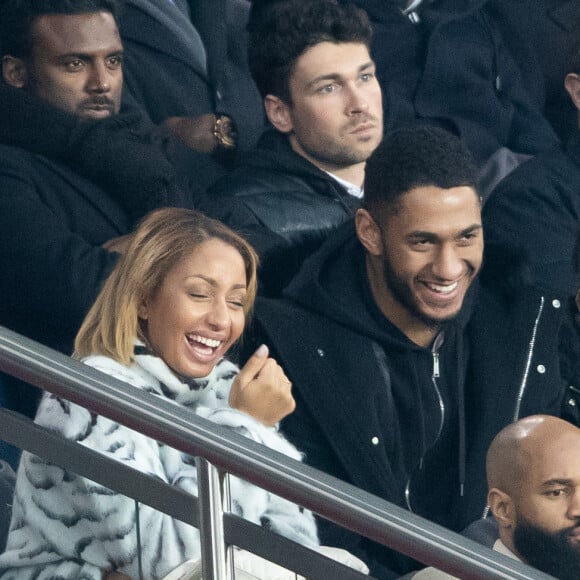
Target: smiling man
[[311, 63], [404, 366]]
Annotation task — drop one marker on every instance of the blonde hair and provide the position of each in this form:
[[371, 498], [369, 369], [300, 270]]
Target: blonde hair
[[163, 238]]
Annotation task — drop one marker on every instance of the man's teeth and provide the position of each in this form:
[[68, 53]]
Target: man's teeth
[[443, 289], [211, 342]]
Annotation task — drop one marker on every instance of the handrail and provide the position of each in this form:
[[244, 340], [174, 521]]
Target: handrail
[[327, 496], [21, 432]]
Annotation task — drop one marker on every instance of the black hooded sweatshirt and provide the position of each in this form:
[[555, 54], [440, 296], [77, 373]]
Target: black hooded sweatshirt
[[387, 415], [399, 404]]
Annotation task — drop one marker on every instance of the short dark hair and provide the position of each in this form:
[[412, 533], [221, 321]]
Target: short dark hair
[[18, 16], [280, 31], [413, 157]]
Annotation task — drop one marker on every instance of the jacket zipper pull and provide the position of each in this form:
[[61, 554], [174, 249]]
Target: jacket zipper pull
[[436, 365]]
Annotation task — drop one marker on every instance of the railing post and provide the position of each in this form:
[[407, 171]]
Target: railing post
[[227, 506], [211, 527]]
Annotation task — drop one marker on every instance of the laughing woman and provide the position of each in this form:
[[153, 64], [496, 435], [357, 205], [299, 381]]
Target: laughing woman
[[163, 322]]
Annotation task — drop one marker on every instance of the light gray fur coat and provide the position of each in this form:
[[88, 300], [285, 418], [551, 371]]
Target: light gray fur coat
[[67, 527]]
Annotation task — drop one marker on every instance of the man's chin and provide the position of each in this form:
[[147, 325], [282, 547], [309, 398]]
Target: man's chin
[[436, 317], [557, 553]]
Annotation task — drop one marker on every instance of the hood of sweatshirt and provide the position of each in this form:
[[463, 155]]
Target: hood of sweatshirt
[[331, 284]]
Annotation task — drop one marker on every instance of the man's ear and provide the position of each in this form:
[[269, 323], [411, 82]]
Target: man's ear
[[14, 71], [572, 85], [368, 232], [278, 113], [502, 507]]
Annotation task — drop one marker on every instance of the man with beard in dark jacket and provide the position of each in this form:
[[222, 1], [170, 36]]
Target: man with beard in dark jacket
[[311, 63], [76, 172], [403, 367], [533, 475]]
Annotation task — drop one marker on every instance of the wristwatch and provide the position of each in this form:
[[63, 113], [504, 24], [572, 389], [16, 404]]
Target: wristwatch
[[225, 132]]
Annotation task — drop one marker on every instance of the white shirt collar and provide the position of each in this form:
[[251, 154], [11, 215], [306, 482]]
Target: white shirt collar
[[351, 188], [500, 547]]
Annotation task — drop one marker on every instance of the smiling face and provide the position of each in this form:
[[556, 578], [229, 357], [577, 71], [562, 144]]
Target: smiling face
[[198, 311], [74, 64], [334, 118], [423, 258]]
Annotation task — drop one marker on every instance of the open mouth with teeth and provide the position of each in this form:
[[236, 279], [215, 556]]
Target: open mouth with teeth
[[204, 345], [440, 289]]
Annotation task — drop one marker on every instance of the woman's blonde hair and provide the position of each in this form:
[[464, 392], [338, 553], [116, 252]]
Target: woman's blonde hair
[[163, 238]]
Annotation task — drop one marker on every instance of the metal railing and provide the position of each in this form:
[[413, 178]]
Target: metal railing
[[229, 452]]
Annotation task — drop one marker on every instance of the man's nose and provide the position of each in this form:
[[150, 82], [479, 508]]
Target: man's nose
[[358, 101], [574, 505], [448, 265], [99, 80]]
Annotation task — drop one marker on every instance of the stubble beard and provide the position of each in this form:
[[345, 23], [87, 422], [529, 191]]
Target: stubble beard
[[403, 294], [338, 152]]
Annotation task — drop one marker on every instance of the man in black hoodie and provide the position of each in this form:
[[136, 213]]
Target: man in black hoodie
[[311, 63], [403, 368]]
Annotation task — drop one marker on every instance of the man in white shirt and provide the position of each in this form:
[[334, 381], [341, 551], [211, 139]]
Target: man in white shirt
[[311, 63]]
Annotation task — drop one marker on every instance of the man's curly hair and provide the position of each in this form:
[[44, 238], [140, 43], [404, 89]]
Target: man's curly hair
[[280, 31]]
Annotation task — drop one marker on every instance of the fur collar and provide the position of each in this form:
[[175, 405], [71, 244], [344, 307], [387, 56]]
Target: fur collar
[[184, 390]]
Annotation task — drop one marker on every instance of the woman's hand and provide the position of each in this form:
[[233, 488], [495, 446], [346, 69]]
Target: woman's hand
[[262, 390]]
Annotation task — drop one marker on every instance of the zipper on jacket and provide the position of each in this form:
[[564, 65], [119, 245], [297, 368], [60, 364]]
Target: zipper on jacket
[[435, 375], [529, 357], [438, 392], [524, 382]]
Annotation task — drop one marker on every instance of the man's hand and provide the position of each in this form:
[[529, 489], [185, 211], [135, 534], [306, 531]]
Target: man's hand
[[195, 132], [262, 390]]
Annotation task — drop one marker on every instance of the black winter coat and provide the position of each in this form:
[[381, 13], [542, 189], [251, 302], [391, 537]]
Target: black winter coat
[[536, 211], [540, 35], [472, 84], [187, 58]]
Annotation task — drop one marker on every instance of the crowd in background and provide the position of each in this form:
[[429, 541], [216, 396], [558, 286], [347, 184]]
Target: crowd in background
[[343, 162]]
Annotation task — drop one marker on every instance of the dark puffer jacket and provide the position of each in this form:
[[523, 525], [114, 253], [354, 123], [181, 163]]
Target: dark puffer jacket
[[283, 204]]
